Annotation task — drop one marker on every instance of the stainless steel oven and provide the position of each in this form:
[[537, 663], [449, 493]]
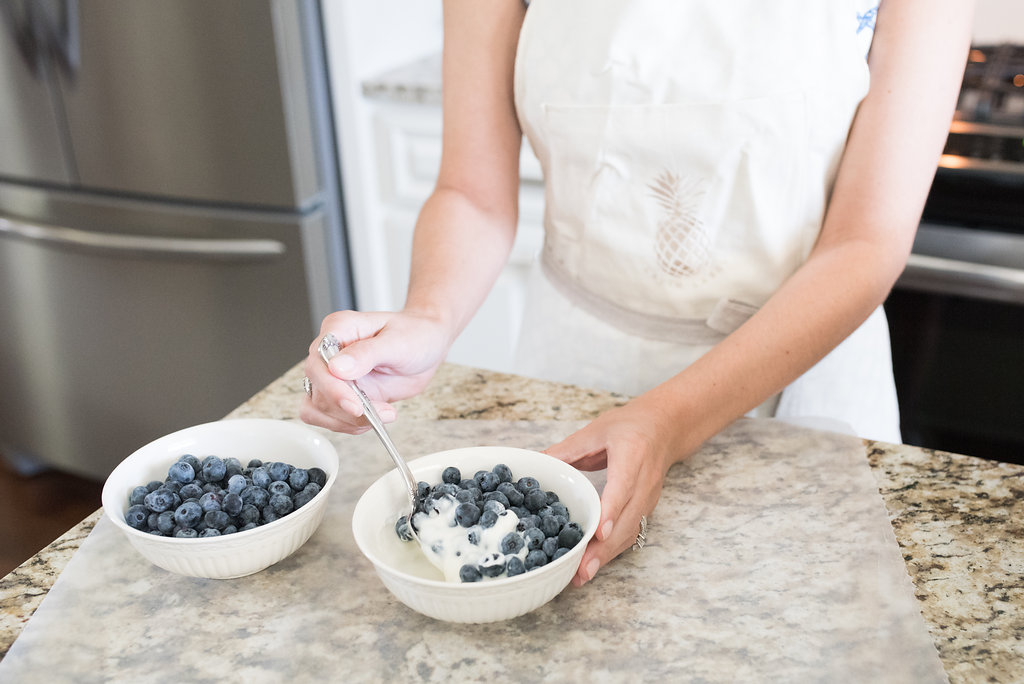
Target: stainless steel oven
[[956, 314]]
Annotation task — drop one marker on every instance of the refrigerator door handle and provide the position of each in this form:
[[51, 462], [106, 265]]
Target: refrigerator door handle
[[144, 246]]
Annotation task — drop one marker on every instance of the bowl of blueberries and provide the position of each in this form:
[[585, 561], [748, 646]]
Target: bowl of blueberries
[[223, 499], [498, 532]]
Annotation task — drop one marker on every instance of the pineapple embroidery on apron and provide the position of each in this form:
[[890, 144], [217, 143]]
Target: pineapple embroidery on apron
[[682, 248]]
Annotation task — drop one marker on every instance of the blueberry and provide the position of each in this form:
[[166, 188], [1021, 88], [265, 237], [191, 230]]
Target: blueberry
[[217, 520], [181, 472], [515, 566], [503, 472], [210, 501], [298, 479], [528, 521], [497, 497], [487, 480], [488, 518], [570, 536], [514, 496], [213, 469], [138, 496], [278, 471], [136, 516], [550, 526], [558, 508], [247, 526], [402, 529], [154, 485], [279, 487], [232, 504], [186, 532], [313, 488], [534, 538], [422, 490], [451, 475], [318, 476], [254, 463], [257, 496], [493, 565], [549, 546], [304, 497], [470, 573], [260, 477], [268, 514], [525, 484], [188, 514], [232, 466], [159, 500], [236, 483], [165, 522], [561, 551], [535, 559], [552, 497], [210, 532], [473, 536], [230, 529], [192, 461], [535, 499], [281, 504], [512, 543], [151, 521], [519, 511], [464, 496], [467, 514], [494, 505], [249, 514]]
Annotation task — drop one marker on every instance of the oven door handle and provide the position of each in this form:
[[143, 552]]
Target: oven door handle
[[963, 278], [144, 246]]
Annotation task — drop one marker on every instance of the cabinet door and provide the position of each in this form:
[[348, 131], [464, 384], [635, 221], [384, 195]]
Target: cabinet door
[[194, 99], [30, 138]]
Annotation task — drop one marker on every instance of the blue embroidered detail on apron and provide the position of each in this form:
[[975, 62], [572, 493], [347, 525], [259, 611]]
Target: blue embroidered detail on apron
[[867, 20]]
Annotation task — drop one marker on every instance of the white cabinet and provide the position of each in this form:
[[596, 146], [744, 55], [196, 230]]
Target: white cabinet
[[407, 144]]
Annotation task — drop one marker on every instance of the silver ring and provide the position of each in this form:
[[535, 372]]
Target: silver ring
[[308, 386], [329, 347], [641, 537]]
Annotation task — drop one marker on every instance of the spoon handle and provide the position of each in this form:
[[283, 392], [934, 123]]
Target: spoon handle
[[385, 438]]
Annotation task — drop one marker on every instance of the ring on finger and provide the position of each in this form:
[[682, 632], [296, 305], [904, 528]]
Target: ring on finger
[[307, 385], [329, 347], [641, 536]]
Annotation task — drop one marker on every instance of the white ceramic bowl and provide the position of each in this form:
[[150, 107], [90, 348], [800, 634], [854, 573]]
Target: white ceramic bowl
[[242, 553], [408, 575]]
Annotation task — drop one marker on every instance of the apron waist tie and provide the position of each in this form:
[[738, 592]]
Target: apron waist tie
[[727, 315]]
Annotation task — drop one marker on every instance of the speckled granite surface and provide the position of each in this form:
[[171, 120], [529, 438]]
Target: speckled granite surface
[[957, 520]]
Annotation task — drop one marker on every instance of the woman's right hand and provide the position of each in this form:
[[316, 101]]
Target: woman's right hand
[[392, 356]]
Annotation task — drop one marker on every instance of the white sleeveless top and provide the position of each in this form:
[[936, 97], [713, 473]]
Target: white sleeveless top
[[688, 150]]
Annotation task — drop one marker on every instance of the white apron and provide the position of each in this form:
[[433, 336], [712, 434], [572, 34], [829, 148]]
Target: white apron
[[688, 150]]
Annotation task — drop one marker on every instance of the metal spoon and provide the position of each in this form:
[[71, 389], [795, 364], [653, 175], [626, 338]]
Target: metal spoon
[[329, 347]]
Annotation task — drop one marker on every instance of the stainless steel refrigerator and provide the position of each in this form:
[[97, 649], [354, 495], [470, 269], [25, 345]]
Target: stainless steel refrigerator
[[171, 225]]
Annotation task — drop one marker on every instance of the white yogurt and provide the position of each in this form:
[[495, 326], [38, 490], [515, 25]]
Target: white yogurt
[[446, 544]]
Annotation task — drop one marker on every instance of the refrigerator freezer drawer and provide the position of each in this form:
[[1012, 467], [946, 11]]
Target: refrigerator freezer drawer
[[108, 344]]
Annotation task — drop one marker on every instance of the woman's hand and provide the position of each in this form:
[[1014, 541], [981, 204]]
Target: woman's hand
[[392, 355], [637, 443]]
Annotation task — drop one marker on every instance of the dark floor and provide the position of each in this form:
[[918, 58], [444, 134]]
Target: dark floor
[[36, 509]]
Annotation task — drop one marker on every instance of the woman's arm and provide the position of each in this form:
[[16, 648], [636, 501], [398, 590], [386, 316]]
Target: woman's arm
[[463, 235], [916, 64]]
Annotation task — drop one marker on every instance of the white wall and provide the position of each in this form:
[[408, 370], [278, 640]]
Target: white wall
[[366, 38], [999, 21]]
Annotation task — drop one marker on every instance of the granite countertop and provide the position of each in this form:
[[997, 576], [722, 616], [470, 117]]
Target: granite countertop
[[957, 519]]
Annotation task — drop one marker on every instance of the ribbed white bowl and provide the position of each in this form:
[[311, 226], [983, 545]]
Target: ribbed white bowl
[[242, 553], [487, 601]]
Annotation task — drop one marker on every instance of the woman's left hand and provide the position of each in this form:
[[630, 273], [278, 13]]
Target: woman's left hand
[[637, 443]]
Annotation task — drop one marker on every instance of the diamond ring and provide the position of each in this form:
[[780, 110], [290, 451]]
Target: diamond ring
[[308, 386], [329, 347], [641, 537]]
